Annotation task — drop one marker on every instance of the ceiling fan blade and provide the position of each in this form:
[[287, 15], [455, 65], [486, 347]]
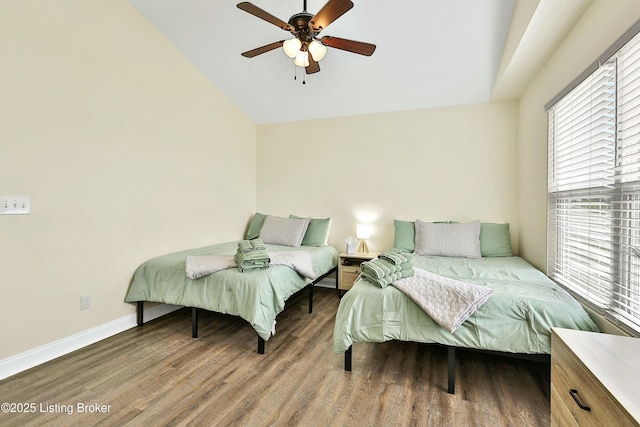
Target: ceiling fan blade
[[331, 11], [260, 50], [313, 66], [262, 14], [361, 48]]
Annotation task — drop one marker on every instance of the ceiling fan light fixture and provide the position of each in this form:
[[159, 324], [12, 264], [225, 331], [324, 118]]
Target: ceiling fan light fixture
[[317, 50], [305, 27], [292, 47], [302, 59]]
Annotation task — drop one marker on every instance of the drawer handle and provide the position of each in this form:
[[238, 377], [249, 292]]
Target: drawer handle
[[574, 393]]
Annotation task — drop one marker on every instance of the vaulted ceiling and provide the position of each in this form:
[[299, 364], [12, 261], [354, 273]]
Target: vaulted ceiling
[[430, 53]]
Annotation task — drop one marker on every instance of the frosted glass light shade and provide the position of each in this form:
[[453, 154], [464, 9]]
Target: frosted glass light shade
[[292, 47], [317, 50], [302, 59], [363, 231]]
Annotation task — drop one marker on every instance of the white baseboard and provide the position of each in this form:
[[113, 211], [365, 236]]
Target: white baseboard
[[23, 361], [30, 358]]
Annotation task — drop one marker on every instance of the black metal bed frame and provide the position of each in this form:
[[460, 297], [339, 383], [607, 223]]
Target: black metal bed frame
[[261, 341], [451, 361]]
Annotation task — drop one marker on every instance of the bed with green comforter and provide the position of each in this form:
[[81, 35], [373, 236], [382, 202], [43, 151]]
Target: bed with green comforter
[[256, 296], [517, 317]]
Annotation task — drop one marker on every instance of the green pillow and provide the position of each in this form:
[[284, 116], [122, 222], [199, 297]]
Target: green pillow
[[405, 235], [495, 240], [255, 226], [317, 233]]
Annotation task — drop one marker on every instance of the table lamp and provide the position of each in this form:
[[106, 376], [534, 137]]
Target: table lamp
[[363, 231]]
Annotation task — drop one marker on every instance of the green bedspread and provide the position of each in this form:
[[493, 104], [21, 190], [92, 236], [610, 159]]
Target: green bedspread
[[517, 318], [256, 296]]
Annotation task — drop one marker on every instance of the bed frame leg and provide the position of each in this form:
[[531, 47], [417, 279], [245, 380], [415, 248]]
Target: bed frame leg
[[311, 299], [347, 359], [194, 322], [451, 371], [140, 313], [260, 345]]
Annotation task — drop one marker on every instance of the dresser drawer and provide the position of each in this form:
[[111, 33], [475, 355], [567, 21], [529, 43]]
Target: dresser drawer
[[572, 383], [560, 415]]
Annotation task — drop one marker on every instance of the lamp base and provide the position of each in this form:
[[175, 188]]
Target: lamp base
[[362, 247]]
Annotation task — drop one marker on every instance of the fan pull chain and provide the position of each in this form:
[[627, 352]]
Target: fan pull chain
[[295, 75]]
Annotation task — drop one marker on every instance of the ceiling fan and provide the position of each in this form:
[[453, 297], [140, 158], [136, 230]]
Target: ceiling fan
[[306, 48]]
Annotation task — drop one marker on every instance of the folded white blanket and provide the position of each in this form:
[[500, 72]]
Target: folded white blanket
[[298, 261], [202, 265], [199, 266], [447, 301]]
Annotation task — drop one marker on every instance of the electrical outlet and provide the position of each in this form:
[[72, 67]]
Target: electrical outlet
[[85, 302], [15, 205]]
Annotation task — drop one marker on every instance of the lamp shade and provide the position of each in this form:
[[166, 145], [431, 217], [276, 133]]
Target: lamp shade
[[292, 47], [363, 231], [302, 59], [317, 50]]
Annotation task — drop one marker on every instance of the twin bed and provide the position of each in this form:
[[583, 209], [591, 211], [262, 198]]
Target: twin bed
[[255, 296], [515, 319]]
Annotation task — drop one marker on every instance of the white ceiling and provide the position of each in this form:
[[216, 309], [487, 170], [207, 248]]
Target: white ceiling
[[430, 53]]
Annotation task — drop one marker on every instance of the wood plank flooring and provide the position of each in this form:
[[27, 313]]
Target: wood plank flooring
[[158, 375]]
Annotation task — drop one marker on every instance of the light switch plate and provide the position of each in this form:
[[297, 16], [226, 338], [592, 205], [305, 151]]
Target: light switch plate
[[15, 205]]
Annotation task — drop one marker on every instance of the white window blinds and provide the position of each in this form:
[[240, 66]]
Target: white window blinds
[[594, 187], [626, 202]]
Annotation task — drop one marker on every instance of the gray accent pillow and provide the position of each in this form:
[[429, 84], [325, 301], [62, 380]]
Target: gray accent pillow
[[454, 240], [404, 237], [283, 231]]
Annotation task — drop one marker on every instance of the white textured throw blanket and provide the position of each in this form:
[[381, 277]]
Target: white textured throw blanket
[[199, 266], [202, 265], [447, 301]]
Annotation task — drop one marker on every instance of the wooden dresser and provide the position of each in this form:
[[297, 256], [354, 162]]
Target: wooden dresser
[[595, 379]]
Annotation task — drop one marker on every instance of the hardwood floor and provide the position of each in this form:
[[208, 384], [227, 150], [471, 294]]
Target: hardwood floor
[[158, 375]]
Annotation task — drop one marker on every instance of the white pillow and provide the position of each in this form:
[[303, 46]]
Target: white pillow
[[448, 239], [283, 231]]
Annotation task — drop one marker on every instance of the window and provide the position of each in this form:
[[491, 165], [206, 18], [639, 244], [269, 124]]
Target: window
[[593, 224]]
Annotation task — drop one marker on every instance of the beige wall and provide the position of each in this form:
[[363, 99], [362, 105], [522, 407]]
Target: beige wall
[[601, 25], [455, 163], [122, 144], [126, 151]]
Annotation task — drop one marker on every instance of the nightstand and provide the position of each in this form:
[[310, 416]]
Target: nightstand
[[349, 269]]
